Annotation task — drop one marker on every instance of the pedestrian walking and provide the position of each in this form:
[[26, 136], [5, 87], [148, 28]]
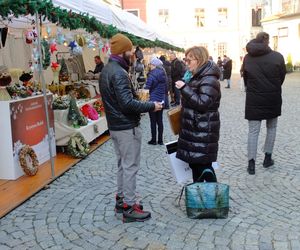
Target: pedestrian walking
[[157, 85], [227, 68], [264, 72], [123, 118], [200, 121]]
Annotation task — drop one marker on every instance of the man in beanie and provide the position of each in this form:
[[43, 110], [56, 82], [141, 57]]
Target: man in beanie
[[123, 118], [264, 72]]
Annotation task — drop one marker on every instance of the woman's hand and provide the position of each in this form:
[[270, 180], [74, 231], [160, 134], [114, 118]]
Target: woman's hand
[[179, 84]]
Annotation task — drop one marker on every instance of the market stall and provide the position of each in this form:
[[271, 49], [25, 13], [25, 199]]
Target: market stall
[[53, 43]]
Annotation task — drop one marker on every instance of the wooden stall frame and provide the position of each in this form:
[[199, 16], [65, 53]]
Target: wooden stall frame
[[15, 192]]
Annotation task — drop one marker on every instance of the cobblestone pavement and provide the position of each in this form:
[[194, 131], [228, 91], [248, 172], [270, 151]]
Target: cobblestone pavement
[[76, 212]]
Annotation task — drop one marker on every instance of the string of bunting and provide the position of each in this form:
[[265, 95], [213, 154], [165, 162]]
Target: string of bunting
[[73, 21]]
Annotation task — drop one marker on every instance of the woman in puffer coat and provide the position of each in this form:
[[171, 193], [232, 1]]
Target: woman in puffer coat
[[157, 84], [200, 121]]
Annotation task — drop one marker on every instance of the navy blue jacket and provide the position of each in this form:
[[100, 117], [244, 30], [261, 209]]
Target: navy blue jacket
[[157, 84]]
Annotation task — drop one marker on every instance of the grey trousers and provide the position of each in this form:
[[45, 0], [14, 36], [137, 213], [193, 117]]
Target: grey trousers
[[127, 144], [254, 129]]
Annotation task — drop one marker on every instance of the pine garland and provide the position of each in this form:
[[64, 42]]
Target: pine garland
[[73, 21]]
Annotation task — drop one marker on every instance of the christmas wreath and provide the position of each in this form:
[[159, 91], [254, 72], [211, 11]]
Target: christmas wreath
[[28, 160], [78, 146]]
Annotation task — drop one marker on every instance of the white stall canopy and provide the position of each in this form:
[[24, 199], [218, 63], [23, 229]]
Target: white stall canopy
[[107, 14], [103, 12]]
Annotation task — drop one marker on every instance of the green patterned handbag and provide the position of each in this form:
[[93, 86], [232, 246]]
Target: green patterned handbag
[[207, 199]]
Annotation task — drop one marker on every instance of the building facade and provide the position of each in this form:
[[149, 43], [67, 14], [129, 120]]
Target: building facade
[[223, 27], [281, 19]]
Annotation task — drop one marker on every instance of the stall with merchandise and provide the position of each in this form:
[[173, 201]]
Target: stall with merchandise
[[48, 97]]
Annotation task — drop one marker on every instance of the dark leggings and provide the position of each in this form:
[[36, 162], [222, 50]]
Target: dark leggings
[[156, 119], [197, 169]]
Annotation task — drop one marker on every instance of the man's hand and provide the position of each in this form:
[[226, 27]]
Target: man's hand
[[179, 84], [158, 106]]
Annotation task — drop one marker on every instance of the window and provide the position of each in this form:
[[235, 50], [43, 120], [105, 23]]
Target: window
[[283, 32], [163, 15], [287, 6], [135, 12], [222, 16], [222, 49], [200, 17], [256, 17]]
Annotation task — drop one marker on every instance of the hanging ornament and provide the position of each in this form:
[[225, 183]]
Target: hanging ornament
[[100, 44], [80, 39], [77, 50], [34, 32], [72, 45], [108, 52], [53, 47], [92, 43], [60, 36], [48, 30], [55, 69], [29, 36], [54, 65]]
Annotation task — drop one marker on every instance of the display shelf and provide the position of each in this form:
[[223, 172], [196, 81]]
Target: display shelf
[[63, 131]]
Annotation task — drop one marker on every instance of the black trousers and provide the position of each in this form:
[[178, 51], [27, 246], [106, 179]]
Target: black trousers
[[156, 119], [197, 170]]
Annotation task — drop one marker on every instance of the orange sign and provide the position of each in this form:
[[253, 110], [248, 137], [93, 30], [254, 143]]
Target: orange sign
[[28, 120]]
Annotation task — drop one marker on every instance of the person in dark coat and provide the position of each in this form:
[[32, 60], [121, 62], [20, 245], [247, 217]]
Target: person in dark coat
[[123, 113], [220, 65], [167, 68], [176, 74], [138, 54], [157, 85], [99, 65], [264, 72], [227, 68], [200, 121]]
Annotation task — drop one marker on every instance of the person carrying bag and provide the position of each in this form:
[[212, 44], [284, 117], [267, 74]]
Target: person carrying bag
[[199, 135]]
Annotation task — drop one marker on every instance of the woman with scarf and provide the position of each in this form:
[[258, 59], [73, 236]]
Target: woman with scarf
[[200, 121]]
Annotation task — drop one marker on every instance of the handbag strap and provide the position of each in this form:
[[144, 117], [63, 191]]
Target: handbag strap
[[207, 170], [180, 196]]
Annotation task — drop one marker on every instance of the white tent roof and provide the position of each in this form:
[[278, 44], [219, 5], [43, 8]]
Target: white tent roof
[[107, 14], [104, 13], [95, 8], [130, 23]]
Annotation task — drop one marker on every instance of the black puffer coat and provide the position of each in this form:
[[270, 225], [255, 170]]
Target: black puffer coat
[[122, 109], [200, 122], [227, 69], [264, 72]]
